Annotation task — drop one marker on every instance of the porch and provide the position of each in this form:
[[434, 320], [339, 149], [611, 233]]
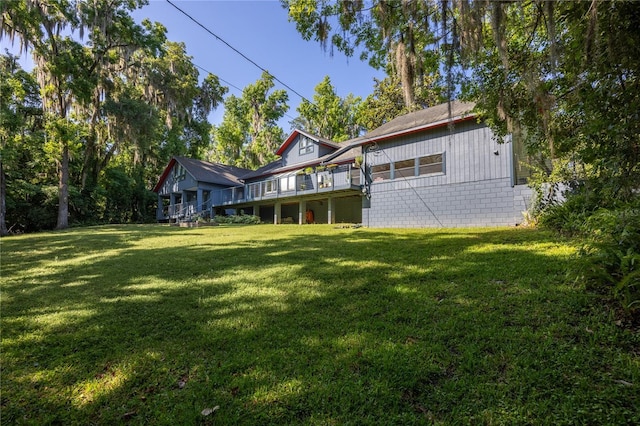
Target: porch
[[295, 184]]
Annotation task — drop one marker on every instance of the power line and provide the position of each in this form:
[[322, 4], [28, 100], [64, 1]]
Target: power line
[[219, 78], [230, 84], [237, 51], [415, 191]]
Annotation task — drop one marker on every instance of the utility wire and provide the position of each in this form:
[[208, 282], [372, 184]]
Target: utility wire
[[230, 84], [219, 78], [415, 191], [237, 51]]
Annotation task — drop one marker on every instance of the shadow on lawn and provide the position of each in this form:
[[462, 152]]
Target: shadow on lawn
[[390, 327]]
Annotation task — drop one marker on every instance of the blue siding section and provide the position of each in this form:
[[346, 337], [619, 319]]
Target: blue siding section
[[172, 185], [292, 154], [474, 189]]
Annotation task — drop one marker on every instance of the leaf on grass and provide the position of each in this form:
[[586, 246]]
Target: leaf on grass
[[208, 411], [623, 382], [129, 415], [183, 382]]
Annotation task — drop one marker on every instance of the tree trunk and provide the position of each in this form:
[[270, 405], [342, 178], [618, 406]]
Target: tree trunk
[[3, 204], [63, 189]]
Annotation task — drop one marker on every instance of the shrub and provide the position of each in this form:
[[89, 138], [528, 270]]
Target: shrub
[[246, 219], [609, 260]]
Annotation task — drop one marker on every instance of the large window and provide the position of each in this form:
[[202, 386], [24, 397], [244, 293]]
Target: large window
[[404, 168], [305, 145], [430, 164], [380, 172], [288, 183]]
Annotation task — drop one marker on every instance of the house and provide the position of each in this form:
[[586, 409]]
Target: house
[[188, 187], [438, 167]]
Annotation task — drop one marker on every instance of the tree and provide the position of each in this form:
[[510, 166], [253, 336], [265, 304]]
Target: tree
[[249, 135], [564, 77], [69, 72], [125, 97], [386, 102], [397, 36], [20, 121], [329, 116], [560, 75]]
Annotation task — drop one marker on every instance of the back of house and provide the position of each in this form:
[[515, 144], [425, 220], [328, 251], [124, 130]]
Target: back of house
[[438, 167]]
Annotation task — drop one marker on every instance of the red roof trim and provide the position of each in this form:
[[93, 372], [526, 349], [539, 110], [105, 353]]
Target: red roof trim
[[164, 175], [287, 142], [297, 132]]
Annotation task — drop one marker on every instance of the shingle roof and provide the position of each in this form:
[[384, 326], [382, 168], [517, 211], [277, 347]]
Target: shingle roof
[[415, 121], [276, 167], [204, 171], [268, 169], [423, 119], [432, 117]]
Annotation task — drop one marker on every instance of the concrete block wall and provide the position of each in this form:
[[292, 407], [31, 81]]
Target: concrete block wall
[[405, 204]]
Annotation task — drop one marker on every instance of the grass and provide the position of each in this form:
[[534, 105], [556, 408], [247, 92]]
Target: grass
[[306, 325]]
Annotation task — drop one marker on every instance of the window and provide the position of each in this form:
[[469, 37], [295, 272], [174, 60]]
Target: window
[[431, 164], [405, 168], [305, 145], [288, 183], [179, 172], [270, 186], [380, 172]]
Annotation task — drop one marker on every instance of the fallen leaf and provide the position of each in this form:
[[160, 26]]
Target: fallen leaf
[[623, 382], [208, 411], [129, 415]]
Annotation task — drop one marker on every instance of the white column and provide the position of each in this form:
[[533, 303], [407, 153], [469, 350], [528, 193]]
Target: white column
[[331, 213], [277, 212], [302, 212]]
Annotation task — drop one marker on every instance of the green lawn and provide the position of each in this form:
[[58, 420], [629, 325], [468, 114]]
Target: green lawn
[[307, 325]]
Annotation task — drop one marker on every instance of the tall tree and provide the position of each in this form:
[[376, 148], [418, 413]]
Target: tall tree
[[386, 102], [394, 35], [249, 134], [564, 77], [560, 75], [68, 71], [20, 121], [329, 116]]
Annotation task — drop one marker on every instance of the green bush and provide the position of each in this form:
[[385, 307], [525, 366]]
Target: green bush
[[609, 260], [245, 219]]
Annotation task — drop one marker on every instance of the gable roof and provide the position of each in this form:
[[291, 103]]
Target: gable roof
[[435, 116], [296, 132], [204, 171], [418, 121]]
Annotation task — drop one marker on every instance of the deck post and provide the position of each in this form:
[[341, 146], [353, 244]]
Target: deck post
[[256, 211], [302, 212], [331, 211], [277, 212], [199, 198], [159, 209]]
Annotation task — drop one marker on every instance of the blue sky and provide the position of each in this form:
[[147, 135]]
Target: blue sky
[[262, 32]]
